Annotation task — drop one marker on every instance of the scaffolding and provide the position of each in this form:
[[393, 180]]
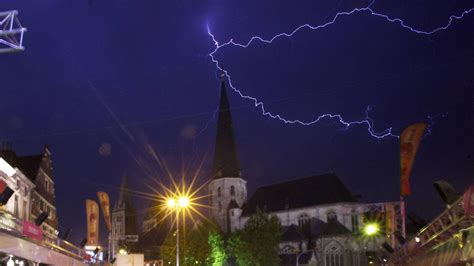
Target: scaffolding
[[11, 32], [450, 224]]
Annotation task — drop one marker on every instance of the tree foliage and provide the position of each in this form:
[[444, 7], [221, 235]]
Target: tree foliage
[[257, 243], [202, 244]]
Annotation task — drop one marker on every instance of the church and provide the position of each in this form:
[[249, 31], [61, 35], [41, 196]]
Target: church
[[321, 220]]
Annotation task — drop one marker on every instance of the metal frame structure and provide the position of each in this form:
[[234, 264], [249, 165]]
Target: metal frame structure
[[457, 217], [11, 32]]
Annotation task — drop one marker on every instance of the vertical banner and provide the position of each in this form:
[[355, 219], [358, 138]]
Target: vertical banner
[[409, 142], [105, 206], [92, 210]]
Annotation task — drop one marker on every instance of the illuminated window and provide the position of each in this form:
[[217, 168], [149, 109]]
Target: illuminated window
[[232, 190]]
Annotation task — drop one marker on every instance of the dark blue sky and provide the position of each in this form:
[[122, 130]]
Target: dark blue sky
[[132, 73]]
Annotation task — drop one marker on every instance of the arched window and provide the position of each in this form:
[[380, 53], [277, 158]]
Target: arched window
[[334, 254], [355, 222], [303, 223], [219, 191], [232, 190], [332, 216]]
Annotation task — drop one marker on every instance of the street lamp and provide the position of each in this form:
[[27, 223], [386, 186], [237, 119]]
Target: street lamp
[[182, 203], [371, 229]]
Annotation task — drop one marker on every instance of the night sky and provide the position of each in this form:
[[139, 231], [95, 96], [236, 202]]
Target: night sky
[[101, 81]]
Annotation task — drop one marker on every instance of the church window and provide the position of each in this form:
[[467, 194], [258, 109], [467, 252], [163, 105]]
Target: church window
[[232, 190], [332, 216], [333, 254], [220, 206], [218, 191], [304, 222], [232, 213], [355, 223]]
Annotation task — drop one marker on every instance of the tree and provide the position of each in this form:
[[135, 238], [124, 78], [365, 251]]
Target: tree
[[257, 243], [218, 254], [201, 244]]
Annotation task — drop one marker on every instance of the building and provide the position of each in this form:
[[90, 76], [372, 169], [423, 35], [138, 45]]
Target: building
[[19, 203], [38, 169], [124, 220], [320, 218], [227, 188], [156, 227]]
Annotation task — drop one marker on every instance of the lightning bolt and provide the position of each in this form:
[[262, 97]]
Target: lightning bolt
[[337, 117]]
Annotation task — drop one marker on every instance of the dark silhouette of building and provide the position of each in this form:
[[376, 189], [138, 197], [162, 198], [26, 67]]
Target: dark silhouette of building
[[38, 168]]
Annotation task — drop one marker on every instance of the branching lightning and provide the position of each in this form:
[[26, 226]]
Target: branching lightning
[[337, 117]]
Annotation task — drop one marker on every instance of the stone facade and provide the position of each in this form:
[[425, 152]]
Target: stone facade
[[221, 192], [19, 203], [124, 221]]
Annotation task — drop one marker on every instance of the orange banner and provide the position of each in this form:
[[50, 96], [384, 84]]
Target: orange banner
[[105, 206], [409, 143], [92, 210]]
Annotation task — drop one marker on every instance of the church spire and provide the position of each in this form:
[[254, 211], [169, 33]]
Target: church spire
[[125, 211], [226, 163], [124, 200]]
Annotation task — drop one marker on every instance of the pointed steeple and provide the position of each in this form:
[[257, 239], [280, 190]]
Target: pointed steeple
[[226, 163], [124, 204], [124, 200]]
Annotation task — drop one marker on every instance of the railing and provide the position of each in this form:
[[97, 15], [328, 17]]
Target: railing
[[14, 226], [458, 216]]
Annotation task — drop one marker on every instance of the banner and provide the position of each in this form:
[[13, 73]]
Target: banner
[[105, 206], [92, 210], [409, 142], [32, 231]]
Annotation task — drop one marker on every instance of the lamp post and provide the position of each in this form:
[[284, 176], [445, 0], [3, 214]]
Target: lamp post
[[176, 205]]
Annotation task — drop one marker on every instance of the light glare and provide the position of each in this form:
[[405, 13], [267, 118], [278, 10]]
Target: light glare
[[171, 203], [371, 229], [183, 202]]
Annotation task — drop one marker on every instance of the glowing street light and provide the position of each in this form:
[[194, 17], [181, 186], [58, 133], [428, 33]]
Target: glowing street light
[[183, 203], [371, 229], [171, 203]]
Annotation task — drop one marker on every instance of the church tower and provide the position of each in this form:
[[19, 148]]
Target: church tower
[[227, 189], [124, 220]]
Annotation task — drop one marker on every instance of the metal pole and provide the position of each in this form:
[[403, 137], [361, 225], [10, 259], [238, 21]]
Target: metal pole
[[177, 237]]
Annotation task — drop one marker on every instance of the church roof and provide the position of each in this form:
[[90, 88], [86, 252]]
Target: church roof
[[226, 163], [233, 205], [334, 228], [299, 193], [292, 233]]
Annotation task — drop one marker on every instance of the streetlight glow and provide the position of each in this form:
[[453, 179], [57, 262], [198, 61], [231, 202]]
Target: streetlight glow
[[171, 203], [183, 202], [371, 229]]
